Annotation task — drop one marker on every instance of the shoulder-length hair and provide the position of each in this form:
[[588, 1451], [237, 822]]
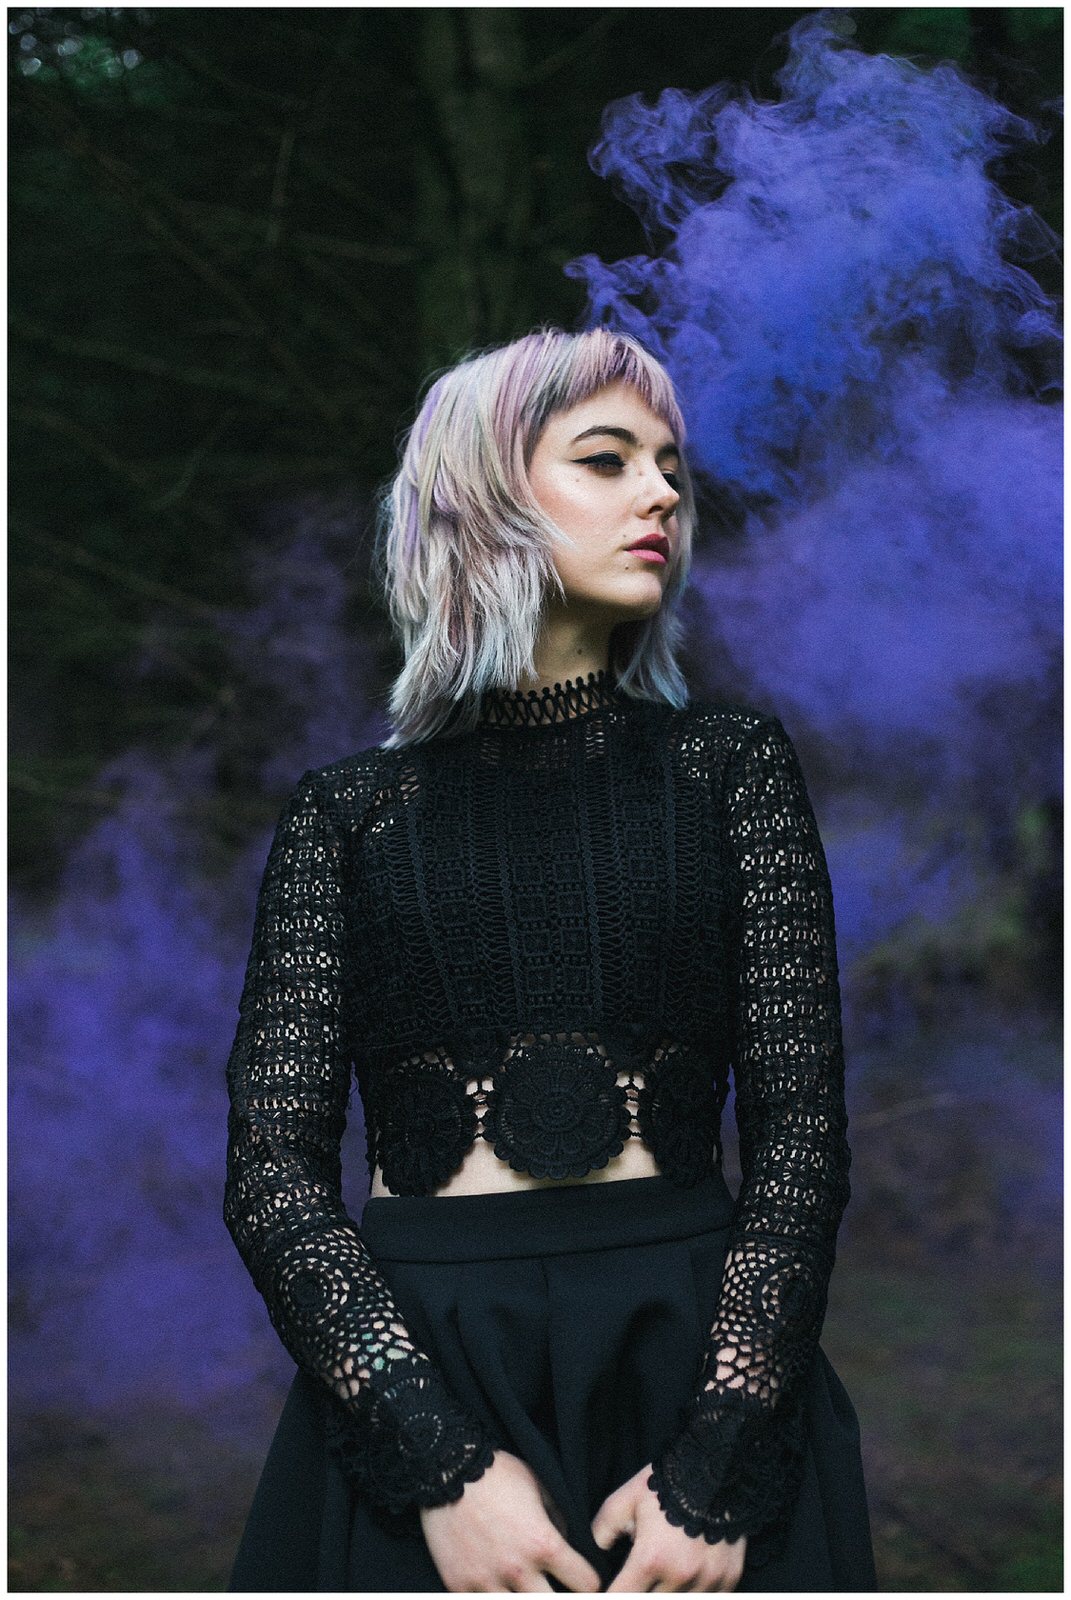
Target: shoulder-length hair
[[463, 549]]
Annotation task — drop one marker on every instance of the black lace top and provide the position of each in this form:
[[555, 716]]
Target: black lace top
[[560, 930]]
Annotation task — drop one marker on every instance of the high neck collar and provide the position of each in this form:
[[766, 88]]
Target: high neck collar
[[532, 707]]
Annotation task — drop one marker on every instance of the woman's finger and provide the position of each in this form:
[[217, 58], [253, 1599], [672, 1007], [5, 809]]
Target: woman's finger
[[629, 1580], [574, 1570]]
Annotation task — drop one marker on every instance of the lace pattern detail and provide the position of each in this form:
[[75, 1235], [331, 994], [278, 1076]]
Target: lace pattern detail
[[397, 1428], [555, 1115], [512, 708], [736, 1465], [730, 1474], [288, 1077], [425, 1121], [554, 945], [552, 1105]]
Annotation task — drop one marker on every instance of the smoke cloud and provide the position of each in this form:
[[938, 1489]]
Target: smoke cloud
[[123, 1004], [868, 378]]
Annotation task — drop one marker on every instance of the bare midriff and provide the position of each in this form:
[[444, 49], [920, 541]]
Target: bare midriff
[[482, 1172]]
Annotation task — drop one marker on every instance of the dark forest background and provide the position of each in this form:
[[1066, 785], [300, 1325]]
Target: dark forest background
[[240, 240]]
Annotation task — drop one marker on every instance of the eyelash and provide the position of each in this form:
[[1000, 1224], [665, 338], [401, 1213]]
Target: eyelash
[[608, 459]]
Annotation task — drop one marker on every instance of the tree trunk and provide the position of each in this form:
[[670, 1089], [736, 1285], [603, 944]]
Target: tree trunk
[[474, 182]]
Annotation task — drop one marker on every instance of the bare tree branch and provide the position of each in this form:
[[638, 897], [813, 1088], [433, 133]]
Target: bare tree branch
[[381, 358], [152, 366], [59, 793], [214, 214], [576, 47], [327, 174], [910, 1519], [202, 67], [127, 576], [74, 138]]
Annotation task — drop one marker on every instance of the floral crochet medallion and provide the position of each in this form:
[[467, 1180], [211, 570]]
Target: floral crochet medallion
[[410, 1423], [679, 1112], [551, 1106], [555, 1112], [427, 1121]]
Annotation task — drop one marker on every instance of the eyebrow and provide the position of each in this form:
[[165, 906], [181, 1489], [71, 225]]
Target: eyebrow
[[628, 437]]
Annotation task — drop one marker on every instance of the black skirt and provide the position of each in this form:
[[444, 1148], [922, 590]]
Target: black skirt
[[572, 1320]]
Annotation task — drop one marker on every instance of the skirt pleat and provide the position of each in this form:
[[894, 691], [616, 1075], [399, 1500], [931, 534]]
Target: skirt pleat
[[572, 1320]]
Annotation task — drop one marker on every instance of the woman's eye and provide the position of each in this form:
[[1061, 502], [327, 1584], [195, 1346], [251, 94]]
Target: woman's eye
[[607, 459]]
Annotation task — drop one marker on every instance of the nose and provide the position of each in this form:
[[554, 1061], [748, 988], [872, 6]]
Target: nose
[[657, 494]]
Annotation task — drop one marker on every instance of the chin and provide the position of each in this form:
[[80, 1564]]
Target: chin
[[651, 598]]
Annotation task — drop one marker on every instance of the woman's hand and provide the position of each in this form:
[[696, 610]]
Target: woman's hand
[[663, 1558], [504, 1536]]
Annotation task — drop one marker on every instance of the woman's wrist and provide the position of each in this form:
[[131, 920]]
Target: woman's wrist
[[409, 1444]]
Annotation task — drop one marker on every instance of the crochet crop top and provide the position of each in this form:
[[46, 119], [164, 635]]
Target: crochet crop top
[[556, 931]]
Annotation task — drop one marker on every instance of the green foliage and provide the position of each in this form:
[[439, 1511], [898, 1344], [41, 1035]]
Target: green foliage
[[145, 1504], [1033, 24], [1035, 1562], [942, 32]]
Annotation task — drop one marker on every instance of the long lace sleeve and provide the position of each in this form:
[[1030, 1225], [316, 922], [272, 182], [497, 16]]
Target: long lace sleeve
[[391, 1423], [736, 1464]]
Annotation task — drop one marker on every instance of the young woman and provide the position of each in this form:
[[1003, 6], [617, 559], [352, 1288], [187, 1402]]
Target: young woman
[[543, 923]]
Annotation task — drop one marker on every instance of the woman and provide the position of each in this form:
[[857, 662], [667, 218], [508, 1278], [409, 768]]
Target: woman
[[542, 921]]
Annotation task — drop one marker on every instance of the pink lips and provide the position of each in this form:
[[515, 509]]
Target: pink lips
[[653, 545]]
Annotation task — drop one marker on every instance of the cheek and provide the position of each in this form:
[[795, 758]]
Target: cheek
[[576, 503]]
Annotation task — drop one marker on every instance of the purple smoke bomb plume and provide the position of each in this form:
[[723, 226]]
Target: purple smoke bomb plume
[[123, 1004], [869, 381]]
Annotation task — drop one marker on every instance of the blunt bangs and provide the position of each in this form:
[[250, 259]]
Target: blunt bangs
[[583, 370]]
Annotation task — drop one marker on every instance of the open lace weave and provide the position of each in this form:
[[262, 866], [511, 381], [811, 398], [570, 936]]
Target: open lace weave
[[554, 933]]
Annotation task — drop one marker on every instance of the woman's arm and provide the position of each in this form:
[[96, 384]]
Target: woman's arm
[[391, 1422], [736, 1465]]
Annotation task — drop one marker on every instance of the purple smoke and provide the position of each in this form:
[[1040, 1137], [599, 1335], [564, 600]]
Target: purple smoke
[[123, 1004], [867, 378], [824, 254]]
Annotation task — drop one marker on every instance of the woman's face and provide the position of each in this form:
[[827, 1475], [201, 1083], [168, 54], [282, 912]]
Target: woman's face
[[605, 473]]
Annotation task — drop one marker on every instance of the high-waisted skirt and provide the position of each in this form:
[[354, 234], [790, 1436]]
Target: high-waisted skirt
[[572, 1320]]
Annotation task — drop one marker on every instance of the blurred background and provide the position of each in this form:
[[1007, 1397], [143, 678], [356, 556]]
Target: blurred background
[[240, 240]]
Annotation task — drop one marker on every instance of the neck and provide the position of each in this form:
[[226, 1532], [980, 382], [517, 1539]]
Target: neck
[[553, 670], [572, 644]]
